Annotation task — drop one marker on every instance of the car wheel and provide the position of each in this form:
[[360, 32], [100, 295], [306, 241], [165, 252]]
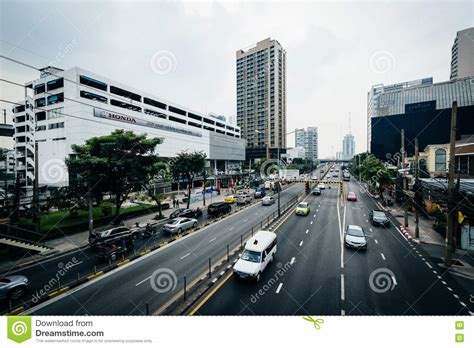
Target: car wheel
[[257, 278], [180, 230], [16, 293], [135, 236], [195, 225], [113, 257]]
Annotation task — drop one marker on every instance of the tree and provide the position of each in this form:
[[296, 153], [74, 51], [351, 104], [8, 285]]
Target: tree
[[159, 198], [374, 172], [185, 166], [118, 163]]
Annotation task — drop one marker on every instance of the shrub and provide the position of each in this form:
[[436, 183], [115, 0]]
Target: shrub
[[106, 208]]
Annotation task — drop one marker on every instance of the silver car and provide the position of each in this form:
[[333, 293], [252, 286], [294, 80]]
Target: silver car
[[268, 200], [179, 225], [13, 287]]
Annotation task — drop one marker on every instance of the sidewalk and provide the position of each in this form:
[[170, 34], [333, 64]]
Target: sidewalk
[[80, 239]]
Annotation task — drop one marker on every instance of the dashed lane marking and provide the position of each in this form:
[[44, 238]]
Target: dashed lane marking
[[185, 256], [383, 256], [307, 231], [301, 243], [376, 241], [292, 261], [213, 239], [279, 288]]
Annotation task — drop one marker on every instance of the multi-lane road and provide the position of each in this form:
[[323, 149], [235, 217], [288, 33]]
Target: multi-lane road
[[126, 290], [313, 273]]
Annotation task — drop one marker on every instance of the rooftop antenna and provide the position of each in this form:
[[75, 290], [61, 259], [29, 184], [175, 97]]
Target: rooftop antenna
[[350, 131]]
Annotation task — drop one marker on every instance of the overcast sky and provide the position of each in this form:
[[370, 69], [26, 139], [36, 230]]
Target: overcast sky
[[335, 50]]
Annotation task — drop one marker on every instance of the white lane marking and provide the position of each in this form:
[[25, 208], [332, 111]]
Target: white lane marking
[[394, 280], [428, 265], [311, 222], [376, 241], [450, 289], [185, 256], [246, 220], [366, 220], [343, 312], [456, 296], [231, 228], [307, 231], [74, 265], [279, 288], [383, 256], [316, 211], [435, 272], [213, 239], [462, 304], [370, 229], [144, 280], [342, 288], [444, 283], [301, 243], [292, 261]]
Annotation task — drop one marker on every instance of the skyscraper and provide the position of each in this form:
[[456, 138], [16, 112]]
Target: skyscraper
[[348, 147], [308, 139], [462, 54], [261, 98]]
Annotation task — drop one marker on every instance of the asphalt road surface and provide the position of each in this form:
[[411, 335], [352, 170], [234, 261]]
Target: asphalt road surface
[[313, 273]]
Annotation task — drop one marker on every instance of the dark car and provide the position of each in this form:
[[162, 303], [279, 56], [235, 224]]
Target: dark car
[[184, 212], [260, 192], [109, 233], [13, 287], [216, 209], [316, 192], [379, 218]]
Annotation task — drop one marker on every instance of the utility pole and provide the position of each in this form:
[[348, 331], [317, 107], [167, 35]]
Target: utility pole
[[204, 189], [360, 174], [451, 204], [36, 206], [417, 214], [91, 213], [405, 210]]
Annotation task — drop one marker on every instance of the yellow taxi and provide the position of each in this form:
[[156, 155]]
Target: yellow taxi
[[302, 209], [230, 199]]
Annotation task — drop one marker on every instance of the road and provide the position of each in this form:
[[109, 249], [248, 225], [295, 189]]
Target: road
[[127, 289], [313, 273]]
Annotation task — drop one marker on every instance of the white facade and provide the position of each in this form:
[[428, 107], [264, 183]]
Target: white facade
[[292, 153], [308, 139], [462, 54], [348, 147], [69, 107]]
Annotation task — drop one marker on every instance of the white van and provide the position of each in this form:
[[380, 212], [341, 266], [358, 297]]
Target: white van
[[259, 251]]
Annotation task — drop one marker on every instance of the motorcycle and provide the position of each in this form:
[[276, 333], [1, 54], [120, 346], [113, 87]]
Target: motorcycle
[[149, 231]]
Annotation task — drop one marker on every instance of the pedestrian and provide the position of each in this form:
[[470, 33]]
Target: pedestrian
[[177, 203], [174, 203]]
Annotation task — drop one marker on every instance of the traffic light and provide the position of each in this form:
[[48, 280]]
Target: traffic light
[[306, 187]]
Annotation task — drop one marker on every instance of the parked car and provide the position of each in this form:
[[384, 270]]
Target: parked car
[[179, 225], [184, 212], [101, 235], [268, 200], [13, 287], [316, 192], [351, 196], [220, 208], [244, 199], [111, 249], [302, 208], [230, 199], [354, 237], [379, 218]]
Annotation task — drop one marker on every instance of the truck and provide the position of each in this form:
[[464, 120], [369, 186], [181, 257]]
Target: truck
[[346, 176], [289, 173]]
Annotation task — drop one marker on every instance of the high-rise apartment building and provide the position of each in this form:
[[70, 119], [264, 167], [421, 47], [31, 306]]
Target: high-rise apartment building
[[308, 139], [348, 147], [462, 54], [261, 98]]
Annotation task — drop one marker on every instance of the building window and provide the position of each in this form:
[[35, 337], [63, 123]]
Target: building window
[[57, 139], [39, 88], [40, 116], [125, 105], [176, 119], [154, 113], [56, 125], [40, 128], [177, 111], [55, 113], [56, 98], [92, 83], [126, 94], [55, 84], [440, 160], [93, 96], [154, 103], [40, 102]]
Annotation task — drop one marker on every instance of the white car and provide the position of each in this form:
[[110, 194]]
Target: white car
[[259, 251], [268, 200], [321, 186], [179, 225], [354, 237]]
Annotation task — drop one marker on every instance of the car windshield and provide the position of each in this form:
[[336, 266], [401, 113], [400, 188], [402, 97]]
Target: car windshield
[[173, 222], [355, 232], [4, 280], [351, 194], [251, 256], [379, 215], [303, 205]]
